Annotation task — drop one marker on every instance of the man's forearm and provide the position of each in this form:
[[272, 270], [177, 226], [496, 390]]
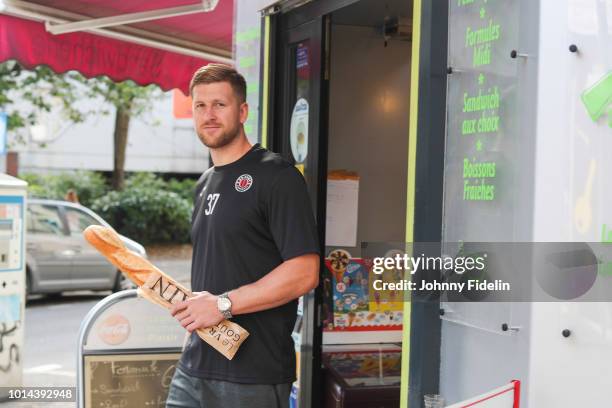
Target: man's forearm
[[286, 282]]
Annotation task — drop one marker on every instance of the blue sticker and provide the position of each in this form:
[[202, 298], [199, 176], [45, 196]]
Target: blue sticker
[[10, 309], [302, 56]]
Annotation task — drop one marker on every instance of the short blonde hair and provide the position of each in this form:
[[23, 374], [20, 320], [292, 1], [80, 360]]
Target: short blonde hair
[[212, 73]]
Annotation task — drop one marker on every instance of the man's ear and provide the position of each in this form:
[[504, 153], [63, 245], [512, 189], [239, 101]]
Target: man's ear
[[244, 112]]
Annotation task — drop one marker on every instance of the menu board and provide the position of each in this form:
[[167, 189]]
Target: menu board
[[122, 381], [482, 120], [483, 132]]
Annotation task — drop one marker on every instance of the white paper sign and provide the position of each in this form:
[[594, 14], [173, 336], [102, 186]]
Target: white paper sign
[[342, 205]]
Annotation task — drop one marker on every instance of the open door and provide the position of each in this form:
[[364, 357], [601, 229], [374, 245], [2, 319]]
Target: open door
[[300, 112]]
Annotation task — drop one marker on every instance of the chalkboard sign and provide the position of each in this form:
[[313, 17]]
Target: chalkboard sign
[[122, 381]]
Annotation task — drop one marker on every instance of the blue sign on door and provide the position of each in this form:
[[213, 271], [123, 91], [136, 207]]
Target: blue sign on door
[[302, 56]]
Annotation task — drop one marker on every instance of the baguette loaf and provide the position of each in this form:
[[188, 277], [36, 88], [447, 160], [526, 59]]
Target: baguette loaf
[[154, 285]]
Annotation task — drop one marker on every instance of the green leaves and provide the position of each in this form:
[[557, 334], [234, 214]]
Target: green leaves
[[126, 95], [149, 209], [88, 185], [147, 214], [43, 89], [37, 90]]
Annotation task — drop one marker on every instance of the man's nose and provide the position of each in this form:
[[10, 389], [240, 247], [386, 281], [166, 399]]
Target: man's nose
[[208, 113]]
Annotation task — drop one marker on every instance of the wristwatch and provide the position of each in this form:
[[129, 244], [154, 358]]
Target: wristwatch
[[224, 304]]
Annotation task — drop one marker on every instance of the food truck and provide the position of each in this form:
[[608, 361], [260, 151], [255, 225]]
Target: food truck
[[442, 121]]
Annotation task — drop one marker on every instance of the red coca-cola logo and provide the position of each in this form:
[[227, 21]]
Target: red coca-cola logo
[[114, 330]]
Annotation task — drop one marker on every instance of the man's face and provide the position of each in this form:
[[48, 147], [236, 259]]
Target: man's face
[[217, 113]]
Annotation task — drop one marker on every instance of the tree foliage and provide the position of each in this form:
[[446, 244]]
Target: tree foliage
[[130, 100], [41, 89], [25, 93], [87, 185], [41, 86], [127, 95]]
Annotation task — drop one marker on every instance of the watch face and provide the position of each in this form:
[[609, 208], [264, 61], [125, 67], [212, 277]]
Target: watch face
[[224, 304]]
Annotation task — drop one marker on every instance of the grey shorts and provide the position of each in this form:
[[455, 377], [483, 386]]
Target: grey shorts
[[193, 392]]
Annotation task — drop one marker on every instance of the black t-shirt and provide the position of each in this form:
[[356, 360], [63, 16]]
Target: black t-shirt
[[249, 217]]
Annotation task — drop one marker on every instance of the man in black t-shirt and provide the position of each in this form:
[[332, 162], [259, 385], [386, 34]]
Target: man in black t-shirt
[[255, 251]]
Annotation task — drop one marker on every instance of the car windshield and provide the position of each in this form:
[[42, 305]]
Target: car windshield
[[44, 219], [79, 220]]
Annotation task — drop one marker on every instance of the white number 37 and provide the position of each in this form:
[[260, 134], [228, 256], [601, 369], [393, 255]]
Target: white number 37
[[212, 201]]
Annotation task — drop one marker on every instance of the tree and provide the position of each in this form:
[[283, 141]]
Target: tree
[[41, 85], [130, 100], [37, 87]]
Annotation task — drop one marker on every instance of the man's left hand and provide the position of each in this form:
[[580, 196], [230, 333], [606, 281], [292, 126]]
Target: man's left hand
[[197, 312]]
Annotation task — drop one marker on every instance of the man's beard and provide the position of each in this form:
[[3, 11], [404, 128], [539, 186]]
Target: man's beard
[[223, 139]]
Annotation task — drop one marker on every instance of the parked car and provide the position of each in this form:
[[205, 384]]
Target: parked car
[[59, 259]]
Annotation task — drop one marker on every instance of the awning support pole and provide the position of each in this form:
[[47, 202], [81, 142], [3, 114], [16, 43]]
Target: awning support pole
[[130, 18]]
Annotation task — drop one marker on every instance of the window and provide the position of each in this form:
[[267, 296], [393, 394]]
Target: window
[[44, 219], [79, 220]]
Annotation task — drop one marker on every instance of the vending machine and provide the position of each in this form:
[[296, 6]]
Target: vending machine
[[12, 280]]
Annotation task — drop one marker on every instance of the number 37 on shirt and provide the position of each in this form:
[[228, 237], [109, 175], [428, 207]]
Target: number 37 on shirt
[[211, 200]]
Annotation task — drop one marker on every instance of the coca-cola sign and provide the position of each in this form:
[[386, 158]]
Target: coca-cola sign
[[114, 330]]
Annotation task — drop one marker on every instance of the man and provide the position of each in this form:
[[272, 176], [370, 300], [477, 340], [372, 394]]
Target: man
[[255, 251]]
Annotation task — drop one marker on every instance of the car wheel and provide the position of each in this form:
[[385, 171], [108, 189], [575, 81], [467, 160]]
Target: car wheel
[[122, 283], [28, 283]]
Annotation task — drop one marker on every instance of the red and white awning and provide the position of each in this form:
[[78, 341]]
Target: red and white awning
[[148, 41]]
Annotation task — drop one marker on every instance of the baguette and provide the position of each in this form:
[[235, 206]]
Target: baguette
[[159, 288]]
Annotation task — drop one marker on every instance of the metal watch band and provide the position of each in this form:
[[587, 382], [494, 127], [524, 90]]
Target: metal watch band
[[226, 313]]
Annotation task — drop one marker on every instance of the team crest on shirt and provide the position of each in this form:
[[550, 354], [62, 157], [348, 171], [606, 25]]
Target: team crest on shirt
[[243, 183]]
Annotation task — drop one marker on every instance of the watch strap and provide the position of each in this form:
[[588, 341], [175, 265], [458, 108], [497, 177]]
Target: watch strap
[[227, 314]]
